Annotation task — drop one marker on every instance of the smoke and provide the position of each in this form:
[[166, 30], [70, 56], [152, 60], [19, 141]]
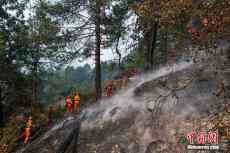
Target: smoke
[[123, 104], [124, 100], [166, 70]]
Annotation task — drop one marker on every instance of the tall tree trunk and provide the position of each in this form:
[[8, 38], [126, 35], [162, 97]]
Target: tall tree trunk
[[118, 52], [1, 109], [166, 46], [147, 48], [153, 43], [150, 37], [35, 83], [98, 51]]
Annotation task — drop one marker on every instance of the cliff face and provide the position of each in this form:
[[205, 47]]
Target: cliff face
[[153, 115]]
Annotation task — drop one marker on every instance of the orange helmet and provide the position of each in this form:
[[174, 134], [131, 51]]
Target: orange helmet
[[205, 22]]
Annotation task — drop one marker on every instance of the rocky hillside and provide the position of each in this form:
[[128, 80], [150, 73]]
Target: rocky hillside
[[153, 115]]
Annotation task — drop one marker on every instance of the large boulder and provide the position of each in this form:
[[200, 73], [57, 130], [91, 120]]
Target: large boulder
[[57, 140]]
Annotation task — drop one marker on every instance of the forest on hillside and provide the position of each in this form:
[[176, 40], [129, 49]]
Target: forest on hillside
[[46, 45]]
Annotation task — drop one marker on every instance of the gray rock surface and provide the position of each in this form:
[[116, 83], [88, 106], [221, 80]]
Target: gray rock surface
[[146, 118]]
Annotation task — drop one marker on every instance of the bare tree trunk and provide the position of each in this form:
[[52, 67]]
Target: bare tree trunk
[[153, 44], [1, 109], [118, 52], [147, 48], [166, 46], [35, 83], [98, 51], [150, 37]]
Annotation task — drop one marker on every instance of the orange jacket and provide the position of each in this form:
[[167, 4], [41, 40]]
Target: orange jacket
[[27, 131], [77, 99]]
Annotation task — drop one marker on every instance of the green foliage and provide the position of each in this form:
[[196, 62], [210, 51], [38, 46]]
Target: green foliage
[[61, 83], [133, 60], [44, 40], [114, 24], [58, 113], [38, 112], [183, 140], [9, 136], [41, 39]]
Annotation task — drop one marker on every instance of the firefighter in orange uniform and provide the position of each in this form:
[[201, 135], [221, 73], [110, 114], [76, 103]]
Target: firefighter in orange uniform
[[205, 22], [76, 102], [68, 104], [109, 89], [28, 130]]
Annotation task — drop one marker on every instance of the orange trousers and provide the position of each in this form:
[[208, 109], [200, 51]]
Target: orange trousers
[[68, 108], [27, 135], [76, 105]]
